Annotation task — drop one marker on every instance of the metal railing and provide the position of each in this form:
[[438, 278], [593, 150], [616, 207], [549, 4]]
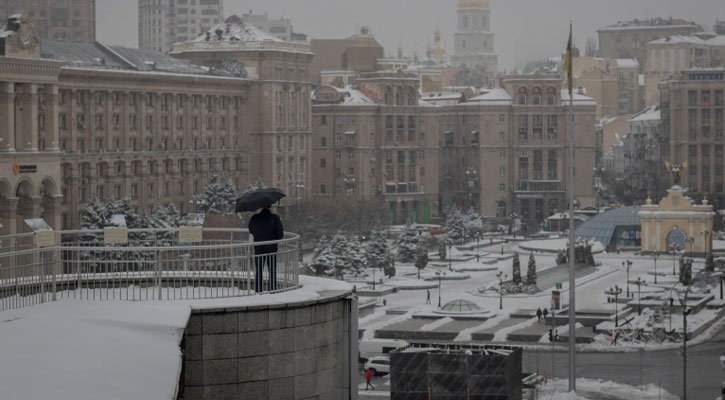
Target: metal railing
[[154, 265]]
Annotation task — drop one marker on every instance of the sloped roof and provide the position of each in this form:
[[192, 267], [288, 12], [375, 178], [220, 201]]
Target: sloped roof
[[99, 56]]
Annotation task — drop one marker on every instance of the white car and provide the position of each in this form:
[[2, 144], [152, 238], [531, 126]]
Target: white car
[[379, 365]]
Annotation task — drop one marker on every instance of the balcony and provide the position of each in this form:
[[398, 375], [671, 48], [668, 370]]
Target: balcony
[[539, 186]]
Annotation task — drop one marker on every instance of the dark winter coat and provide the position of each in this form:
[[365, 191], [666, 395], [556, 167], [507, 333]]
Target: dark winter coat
[[266, 227]]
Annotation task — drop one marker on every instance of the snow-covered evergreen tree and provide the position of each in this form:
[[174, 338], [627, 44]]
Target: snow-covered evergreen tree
[[442, 250], [685, 271], [531, 273], [421, 259], [255, 185], [389, 269], [709, 263], [516, 270], [164, 217], [454, 225], [219, 197], [354, 256], [407, 244], [376, 249], [323, 258], [473, 224]]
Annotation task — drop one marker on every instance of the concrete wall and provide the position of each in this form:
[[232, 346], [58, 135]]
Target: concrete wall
[[293, 351]]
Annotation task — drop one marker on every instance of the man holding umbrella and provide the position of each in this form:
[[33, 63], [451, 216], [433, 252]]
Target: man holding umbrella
[[264, 227]]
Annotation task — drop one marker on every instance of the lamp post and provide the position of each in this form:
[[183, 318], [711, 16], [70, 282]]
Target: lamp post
[[478, 246], [655, 255], [628, 264], [438, 275], [685, 313], [639, 283], [675, 248], [501, 276], [616, 291], [706, 234], [450, 256], [692, 241]]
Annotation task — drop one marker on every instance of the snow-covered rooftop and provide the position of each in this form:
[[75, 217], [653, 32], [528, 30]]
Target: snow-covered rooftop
[[234, 30], [652, 113], [495, 95], [718, 40], [354, 97], [627, 63], [579, 99]]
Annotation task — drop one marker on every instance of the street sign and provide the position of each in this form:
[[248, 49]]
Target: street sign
[[559, 286]]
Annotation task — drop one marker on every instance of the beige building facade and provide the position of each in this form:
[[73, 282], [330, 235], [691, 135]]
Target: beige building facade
[[628, 39], [67, 20], [692, 106], [671, 55], [153, 131], [161, 23], [501, 153]]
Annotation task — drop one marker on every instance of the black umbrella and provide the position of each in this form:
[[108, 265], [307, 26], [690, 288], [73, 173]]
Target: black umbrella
[[260, 198]]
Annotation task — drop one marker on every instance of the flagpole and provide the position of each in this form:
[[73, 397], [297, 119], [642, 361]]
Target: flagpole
[[572, 261]]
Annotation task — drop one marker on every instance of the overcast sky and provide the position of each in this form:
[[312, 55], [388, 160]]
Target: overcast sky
[[525, 29]]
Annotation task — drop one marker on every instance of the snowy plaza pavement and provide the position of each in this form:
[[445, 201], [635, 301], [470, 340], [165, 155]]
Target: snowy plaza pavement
[[401, 312]]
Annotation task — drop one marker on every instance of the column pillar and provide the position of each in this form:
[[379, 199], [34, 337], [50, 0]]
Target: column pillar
[[26, 128], [7, 116], [51, 118]]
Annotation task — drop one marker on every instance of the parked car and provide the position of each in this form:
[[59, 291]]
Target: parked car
[[379, 365]]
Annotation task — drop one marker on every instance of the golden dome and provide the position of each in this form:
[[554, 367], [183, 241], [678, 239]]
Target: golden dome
[[474, 4]]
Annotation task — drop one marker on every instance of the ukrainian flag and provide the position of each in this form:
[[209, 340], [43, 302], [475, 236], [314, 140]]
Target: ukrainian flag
[[569, 64]]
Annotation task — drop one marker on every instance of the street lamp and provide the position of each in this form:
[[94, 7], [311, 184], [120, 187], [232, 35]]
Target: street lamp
[[478, 246], [705, 233], [616, 291], [501, 276], [675, 248], [655, 255], [438, 275], [692, 241], [685, 312], [628, 264], [639, 283], [450, 256]]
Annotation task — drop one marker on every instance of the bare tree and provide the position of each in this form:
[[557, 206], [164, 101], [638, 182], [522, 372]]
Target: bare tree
[[591, 47]]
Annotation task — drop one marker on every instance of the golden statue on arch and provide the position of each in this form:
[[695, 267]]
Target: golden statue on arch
[[676, 171]]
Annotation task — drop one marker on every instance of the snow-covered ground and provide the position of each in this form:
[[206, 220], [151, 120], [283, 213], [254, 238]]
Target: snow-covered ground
[[553, 245], [557, 389], [110, 349]]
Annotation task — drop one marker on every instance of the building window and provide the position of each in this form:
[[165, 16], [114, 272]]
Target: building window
[[522, 99], [323, 163], [323, 189], [502, 188]]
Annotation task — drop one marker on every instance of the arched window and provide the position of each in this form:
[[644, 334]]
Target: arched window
[[522, 99], [536, 99], [550, 99]]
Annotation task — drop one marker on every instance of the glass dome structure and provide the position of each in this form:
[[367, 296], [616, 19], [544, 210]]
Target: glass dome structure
[[460, 306], [619, 227]]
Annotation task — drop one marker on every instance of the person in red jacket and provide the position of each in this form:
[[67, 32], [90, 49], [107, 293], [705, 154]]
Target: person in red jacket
[[368, 378]]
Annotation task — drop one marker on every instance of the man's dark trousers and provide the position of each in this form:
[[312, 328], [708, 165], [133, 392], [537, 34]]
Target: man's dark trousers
[[270, 259]]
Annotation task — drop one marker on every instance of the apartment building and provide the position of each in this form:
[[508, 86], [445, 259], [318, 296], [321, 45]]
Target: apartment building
[[628, 39], [68, 20], [670, 55], [501, 152], [692, 119], [161, 23]]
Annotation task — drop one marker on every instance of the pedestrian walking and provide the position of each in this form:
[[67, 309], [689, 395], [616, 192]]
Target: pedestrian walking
[[538, 314], [368, 379], [545, 313], [265, 227], [427, 299]]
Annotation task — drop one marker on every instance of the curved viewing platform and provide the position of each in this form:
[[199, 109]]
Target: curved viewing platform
[[152, 264]]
